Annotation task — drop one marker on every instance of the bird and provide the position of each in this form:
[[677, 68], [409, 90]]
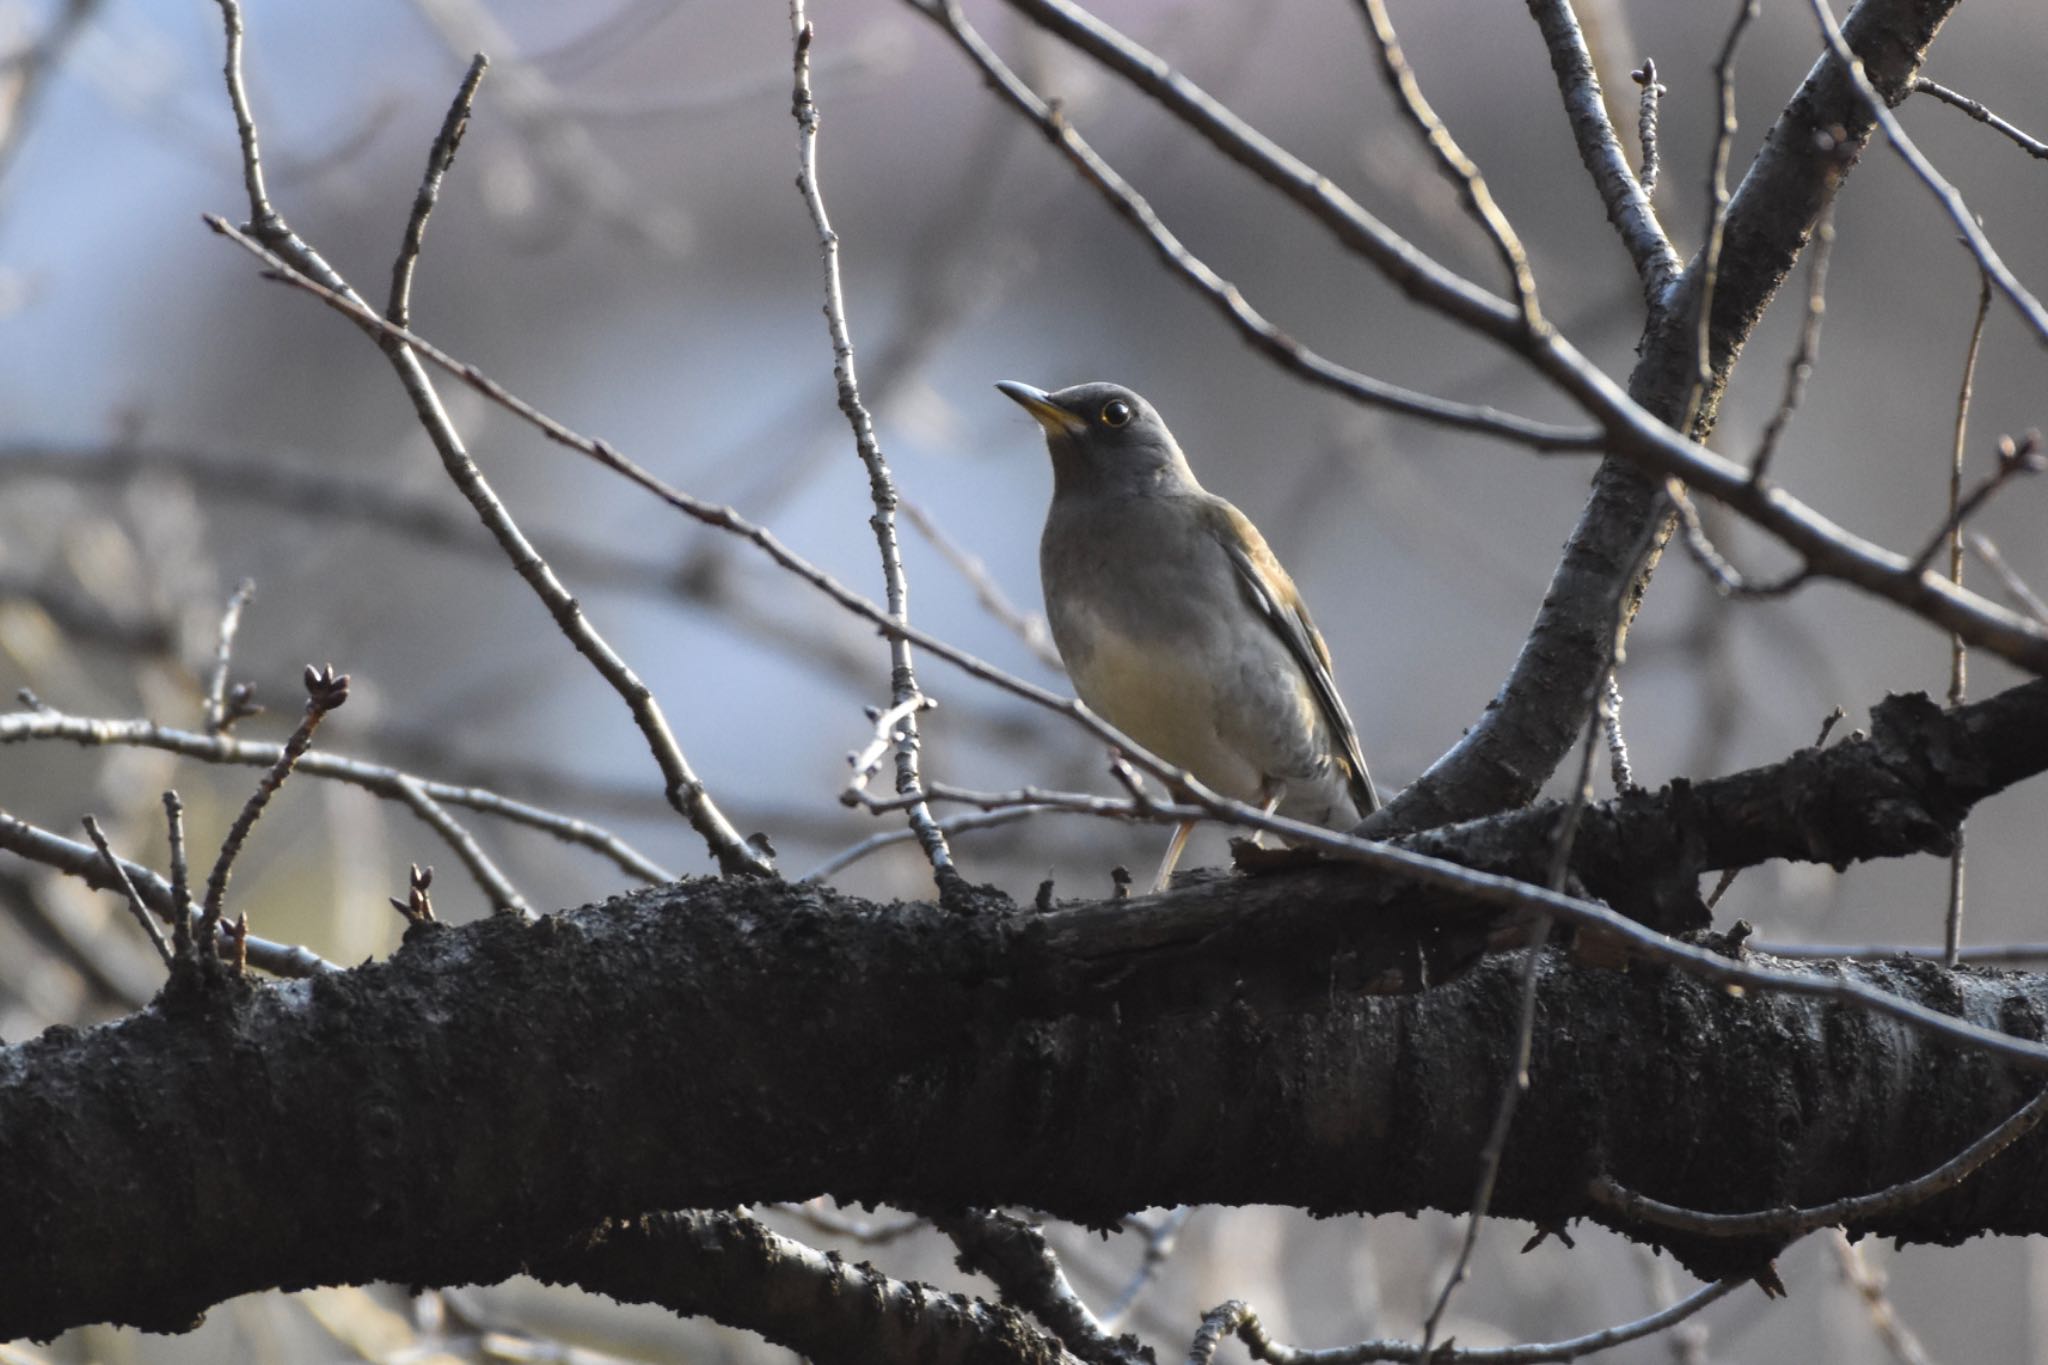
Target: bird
[[1177, 623]]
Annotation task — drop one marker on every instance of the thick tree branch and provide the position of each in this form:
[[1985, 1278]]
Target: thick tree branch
[[1223, 1044]]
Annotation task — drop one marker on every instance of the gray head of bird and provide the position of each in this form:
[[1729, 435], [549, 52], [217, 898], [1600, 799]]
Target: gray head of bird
[[1104, 439]]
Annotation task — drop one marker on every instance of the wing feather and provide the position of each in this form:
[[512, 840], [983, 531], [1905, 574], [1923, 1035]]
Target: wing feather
[[1273, 594]]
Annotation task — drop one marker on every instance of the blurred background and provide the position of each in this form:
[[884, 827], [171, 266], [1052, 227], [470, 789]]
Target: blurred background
[[620, 243]]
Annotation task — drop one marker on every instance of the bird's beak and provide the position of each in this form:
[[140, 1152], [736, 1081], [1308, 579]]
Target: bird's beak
[[1056, 420]]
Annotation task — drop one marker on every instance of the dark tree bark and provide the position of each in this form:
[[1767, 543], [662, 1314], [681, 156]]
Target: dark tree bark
[[486, 1099]]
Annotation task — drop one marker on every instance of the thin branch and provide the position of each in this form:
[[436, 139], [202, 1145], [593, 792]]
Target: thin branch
[[288, 253], [1452, 161], [1028, 626], [2030, 309], [489, 877], [181, 875], [881, 484], [2016, 587], [1958, 652], [1869, 1284], [83, 861], [21, 726], [2033, 146], [136, 907], [1633, 432], [439, 158], [957, 824], [1800, 369], [217, 706], [1284, 350], [1728, 580], [325, 691], [1717, 216], [1626, 198], [1654, 91], [1161, 1240], [1862, 1208], [2015, 458], [1237, 1317]]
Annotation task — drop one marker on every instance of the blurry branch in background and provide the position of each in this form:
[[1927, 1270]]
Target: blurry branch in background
[[576, 168], [1799, 369], [217, 712], [2033, 146], [1869, 1283], [906, 701], [2017, 588], [25, 71], [389, 783], [1958, 653], [735, 856]]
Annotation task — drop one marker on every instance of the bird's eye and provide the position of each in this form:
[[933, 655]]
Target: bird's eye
[[1115, 413]]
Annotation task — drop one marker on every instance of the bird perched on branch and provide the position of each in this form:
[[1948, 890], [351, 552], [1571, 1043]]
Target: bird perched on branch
[[1177, 624]]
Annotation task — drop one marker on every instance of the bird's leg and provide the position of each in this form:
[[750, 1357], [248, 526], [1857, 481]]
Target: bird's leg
[[1272, 789], [1181, 832]]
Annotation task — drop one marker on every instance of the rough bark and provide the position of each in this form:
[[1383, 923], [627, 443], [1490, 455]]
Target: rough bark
[[482, 1101]]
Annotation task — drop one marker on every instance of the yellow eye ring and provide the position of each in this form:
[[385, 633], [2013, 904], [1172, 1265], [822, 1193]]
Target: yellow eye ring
[[1116, 413]]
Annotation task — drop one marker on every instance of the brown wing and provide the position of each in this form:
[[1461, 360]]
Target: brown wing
[[1273, 593]]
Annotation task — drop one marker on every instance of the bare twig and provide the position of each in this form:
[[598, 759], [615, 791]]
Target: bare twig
[[1717, 215], [1161, 1240], [489, 877], [2015, 457], [1828, 550], [1627, 199], [439, 158], [386, 782], [1869, 1283], [952, 825], [128, 891], [1611, 1195], [220, 714], [326, 690], [2029, 307], [2015, 587], [83, 861], [1028, 626], [181, 875], [1237, 1317], [1653, 90], [1284, 350], [2033, 146], [299, 262], [1452, 161], [881, 483], [1728, 580], [1958, 652], [1800, 369]]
